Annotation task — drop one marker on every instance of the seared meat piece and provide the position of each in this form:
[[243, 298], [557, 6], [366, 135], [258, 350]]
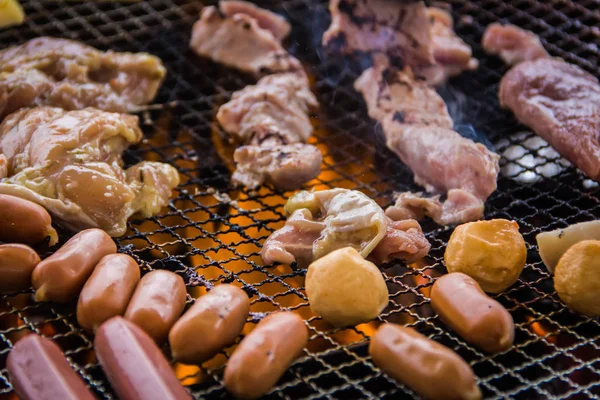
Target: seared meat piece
[[277, 105], [560, 102], [403, 240], [3, 167], [512, 44], [285, 166], [324, 221], [460, 206], [442, 159], [418, 129], [388, 91], [399, 29], [70, 163], [266, 19], [452, 55], [72, 75], [239, 42]]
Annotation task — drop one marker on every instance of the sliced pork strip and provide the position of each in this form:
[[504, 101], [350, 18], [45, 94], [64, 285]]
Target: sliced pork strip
[[266, 19], [239, 42], [512, 44], [452, 55], [399, 29], [404, 240], [284, 166], [560, 102]]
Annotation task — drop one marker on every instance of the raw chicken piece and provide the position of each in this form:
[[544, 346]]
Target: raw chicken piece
[[266, 19], [285, 166], [239, 42], [399, 29], [277, 105], [324, 221], [512, 44], [452, 55], [71, 75], [70, 163], [560, 102]]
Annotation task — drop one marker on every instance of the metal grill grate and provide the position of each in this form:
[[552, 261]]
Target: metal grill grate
[[211, 233]]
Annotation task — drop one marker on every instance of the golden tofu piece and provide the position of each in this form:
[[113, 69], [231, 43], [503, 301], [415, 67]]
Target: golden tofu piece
[[11, 13]]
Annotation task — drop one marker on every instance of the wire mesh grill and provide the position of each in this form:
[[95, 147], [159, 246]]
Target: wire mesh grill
[[211, 233]]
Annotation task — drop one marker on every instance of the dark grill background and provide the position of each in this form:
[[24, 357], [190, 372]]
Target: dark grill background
[[211, 233]]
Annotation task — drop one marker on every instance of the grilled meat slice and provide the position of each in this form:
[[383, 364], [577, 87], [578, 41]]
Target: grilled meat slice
[[277, 105], [71, 75], [70, 163], [285, 166], [239, 42], [266, 19], [451, 54], [389, 91], [397, 28], [560, 102], [512, 44], [324, 221], [418, 129]]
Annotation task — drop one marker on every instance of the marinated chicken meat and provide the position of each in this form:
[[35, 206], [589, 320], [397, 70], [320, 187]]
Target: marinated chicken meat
[[71, 75], [277, 105], [399, 29], [70, 163], [286, 166], [512, 44], [268, 20], [324, 221], [560, 102], [418, 129], [238, 41], [451, 54]]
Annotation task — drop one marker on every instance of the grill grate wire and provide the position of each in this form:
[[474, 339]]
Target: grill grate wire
[[212, 233]]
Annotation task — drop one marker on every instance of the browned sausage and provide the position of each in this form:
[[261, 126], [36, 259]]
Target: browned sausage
[[477, 318], [157, 302], [17, 262], [38, 370], [61, 276], [213, 322], [108, 291], [264, 355], [23, 221], [133, 363], [430, 369]]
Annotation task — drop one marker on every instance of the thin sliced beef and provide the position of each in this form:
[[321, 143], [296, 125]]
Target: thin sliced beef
[[71, 75], [561, 103], [277, 105], [512, 44], [452, 55], [239, 42], [399, 29], [266, 19], [284, 166]]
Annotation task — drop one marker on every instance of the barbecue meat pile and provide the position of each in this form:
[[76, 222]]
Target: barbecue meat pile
[[67, 74], [561, 103], [70, 163], [324, 221], [272, 22], [240, 42], [512, 44], [399, 29], [418, 129]]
